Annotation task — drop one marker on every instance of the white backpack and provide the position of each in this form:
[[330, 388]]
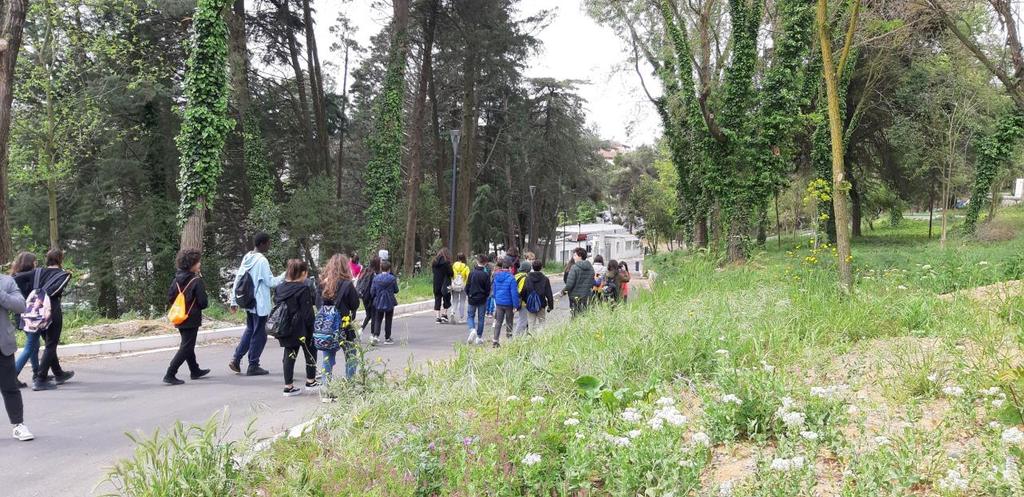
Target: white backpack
[[459, 283], [38, 311]]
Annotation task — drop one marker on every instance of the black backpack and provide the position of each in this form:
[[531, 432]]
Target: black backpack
[[245, 292], [364, 284], [279, 323]]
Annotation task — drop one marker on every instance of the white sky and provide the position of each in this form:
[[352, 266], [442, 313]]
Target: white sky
[[575, 47]]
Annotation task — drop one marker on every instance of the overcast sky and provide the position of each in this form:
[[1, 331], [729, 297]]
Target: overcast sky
[[574, 48]]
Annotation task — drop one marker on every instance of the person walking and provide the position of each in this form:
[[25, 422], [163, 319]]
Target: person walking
[[579, 285], [12, 302], [522, 322], [538, 299], [382, 292], [624, 270], [52, 280], [253, 283], [189, 283], [26, 261], [459, 281], [614, 278], [506, 302], [363, 289], [296, 293], [355, 266], [478, 292], [339, 292], [443, 274]]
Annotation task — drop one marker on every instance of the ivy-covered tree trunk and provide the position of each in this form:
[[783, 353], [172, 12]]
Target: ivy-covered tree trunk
[[12, 24], [467, 154], [412, 186], [383, 173], [993, 151], [205, 124]]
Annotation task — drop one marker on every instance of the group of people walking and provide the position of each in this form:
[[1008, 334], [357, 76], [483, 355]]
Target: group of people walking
[[308, 317], [30, 300]]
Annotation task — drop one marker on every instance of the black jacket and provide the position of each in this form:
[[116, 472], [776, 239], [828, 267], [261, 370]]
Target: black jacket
[[346, 300], [195, 297], [60, 277], [537, 282], [478, 288], [298, 296], [443, 275]]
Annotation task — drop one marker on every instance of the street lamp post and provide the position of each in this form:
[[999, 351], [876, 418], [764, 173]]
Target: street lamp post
[[532, 244], [455, 174]]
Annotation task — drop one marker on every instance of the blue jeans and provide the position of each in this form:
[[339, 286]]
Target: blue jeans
[[475, 318], [253, 339], [348, 345], [28, 354]]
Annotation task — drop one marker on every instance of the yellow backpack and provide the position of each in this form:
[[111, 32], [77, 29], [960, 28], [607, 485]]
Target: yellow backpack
[[179, 313]]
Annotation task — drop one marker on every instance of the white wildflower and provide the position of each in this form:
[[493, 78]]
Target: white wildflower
[[768, 368], [953, 482], [511, 398], [701, 438], [881, 441], [579, 436], [722, 352], [531, 459], [665, 401], [794, 419], [809, 435], [901, 287], [829, 392], [1010, 471], [1012, 436], [631, 415], [618, 441], [995, 425], [953, 391], [727, 398], [991, 392], [998, 403], [686, 463], [725, 489], [537, 400], [656, 423], [933, 377], [926, 267], [634, 433], [784, 465], [983, 263], [670, 415], [571, 422]]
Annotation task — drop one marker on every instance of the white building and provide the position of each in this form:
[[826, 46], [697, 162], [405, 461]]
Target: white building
[[611, 241]]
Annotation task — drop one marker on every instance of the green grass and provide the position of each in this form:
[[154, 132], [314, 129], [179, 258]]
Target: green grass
[[815, 391]]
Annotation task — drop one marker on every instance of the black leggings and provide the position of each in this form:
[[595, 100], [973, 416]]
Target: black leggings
[[51, 336], [441, 296], [186, 352], [384, 317], [292, 353], [368, 306], [9, 388]]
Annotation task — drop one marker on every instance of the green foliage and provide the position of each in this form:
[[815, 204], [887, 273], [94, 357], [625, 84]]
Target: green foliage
[[263, 216], [993, 151], [205, 123]]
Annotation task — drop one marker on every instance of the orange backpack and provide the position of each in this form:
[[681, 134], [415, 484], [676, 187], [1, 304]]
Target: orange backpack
[[179, 313]]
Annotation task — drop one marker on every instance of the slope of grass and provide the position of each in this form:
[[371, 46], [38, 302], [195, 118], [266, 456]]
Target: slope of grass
[[759, 380]]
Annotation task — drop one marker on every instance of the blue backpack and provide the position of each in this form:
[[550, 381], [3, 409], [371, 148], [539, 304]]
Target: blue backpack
[[327, 329], [534, 303]]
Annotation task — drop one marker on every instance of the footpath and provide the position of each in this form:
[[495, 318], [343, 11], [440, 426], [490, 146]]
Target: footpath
[[80, 427]]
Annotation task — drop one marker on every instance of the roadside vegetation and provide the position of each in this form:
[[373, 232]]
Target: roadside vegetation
[[761, 379]]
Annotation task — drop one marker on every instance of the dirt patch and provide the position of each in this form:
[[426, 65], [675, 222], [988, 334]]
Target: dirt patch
[[731, 463], [135, 328], [990, 294]]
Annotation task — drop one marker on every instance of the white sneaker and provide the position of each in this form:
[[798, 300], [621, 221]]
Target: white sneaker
[[21, 433], [374, 340], [469, 339], [479, 340]]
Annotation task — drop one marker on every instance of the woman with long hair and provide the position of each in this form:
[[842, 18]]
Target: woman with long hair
[[363, 287], [26, 261], [443, 274], [296, 293], [53, 279], [339, 290]]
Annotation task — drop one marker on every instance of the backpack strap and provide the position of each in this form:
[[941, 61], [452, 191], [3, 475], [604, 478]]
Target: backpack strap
[[38, 276]]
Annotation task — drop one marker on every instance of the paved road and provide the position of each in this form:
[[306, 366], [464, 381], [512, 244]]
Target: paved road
[[80, 428]]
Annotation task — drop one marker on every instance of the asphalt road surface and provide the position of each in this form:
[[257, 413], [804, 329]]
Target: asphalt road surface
[[80, 427]]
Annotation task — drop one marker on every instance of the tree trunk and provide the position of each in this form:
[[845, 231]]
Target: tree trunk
[[839, 202], [12, 24], [440, 160], [339, 184], [467, 165], [300, 84], [316, 89], [195, 226], [416, 139], [238, 68], [931, 210], [700, 232], [778, 220], [855, 208], [51, 197], [735, 242], [762, 225]]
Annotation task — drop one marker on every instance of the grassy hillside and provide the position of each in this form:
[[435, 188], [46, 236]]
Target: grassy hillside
[[758, 380]]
